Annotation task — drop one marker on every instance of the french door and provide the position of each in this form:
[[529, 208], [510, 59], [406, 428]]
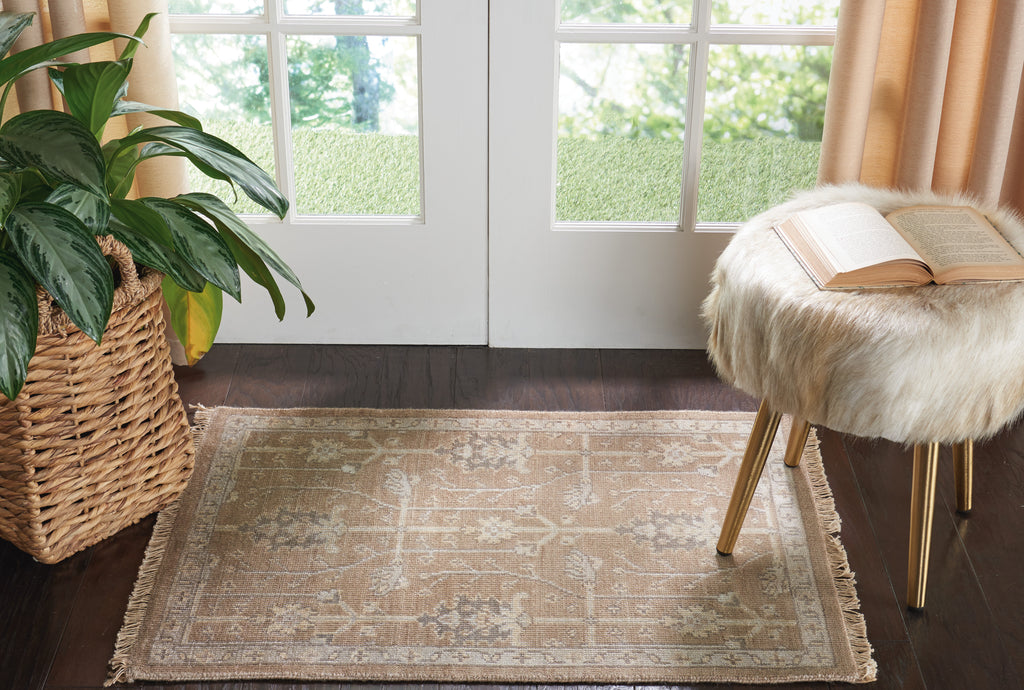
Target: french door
[[598, 235], [574, 284], [543, 181], [387, 228]]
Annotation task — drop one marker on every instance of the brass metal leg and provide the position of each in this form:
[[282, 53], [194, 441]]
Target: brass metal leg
[[963, 470], [797, 440], [922, 505], [760, 442]]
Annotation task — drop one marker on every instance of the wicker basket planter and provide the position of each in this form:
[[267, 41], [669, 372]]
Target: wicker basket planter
[[98, 438]]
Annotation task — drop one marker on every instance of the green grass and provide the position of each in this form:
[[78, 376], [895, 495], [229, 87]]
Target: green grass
[[618, 179], [335, 172], [740, 179], [639, 179], [605, 180], [367, 173]]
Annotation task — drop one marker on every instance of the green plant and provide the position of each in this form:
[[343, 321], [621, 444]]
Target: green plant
[[60, 187]]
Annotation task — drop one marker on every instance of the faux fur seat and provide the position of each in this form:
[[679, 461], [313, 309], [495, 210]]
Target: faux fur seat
[[922, 366], [913, 365]]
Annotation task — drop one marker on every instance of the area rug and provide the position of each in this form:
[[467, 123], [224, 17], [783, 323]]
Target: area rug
[[486, 546]]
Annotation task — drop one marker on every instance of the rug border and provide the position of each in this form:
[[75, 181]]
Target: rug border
[[843, 578]]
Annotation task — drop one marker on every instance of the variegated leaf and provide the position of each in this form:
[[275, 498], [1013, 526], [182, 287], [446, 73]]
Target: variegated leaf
[[19, 324], [212, 152], [227, 222], [86, 206], [57, 144], [250, 262], [10, 190], [62, 255], [150, 252], [11, 26], [200, 245], [142, 218]]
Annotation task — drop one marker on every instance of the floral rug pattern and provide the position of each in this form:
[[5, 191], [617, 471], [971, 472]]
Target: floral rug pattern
[[491, 546]]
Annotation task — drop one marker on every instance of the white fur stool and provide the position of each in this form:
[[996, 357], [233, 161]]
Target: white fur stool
[[922, 366]]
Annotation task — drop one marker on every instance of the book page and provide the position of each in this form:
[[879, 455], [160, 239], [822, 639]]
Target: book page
[[953, 236], [856, 235]]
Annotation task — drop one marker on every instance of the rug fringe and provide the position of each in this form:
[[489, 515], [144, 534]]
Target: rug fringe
[[842, 576], [203, 415], [120, 671]]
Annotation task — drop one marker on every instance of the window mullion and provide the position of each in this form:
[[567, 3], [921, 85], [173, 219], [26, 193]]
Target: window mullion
[[280, 104], [695, 97], [623, 33], [318, 24], [773, 35]]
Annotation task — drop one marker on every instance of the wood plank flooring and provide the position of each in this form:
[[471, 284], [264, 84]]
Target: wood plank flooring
[[58, 623]]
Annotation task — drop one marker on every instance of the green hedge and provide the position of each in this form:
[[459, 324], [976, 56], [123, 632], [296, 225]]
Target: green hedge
[[602, 180]]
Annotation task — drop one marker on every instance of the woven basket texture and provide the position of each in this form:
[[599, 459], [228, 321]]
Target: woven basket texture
[[98, 438]]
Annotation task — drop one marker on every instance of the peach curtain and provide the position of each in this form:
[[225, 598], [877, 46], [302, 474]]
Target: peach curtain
[[928, 94], [151, 81]]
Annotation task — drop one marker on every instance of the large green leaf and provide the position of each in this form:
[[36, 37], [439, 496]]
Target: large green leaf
[[132, 46], [200, 245], [255, 268], [62, 255], [91, 91], [154, 149], [11, 26], [10, 190], [19, 324], [150, 252], [121, 164], [18, 64], [229, 223], [207, 150], [33, 188], [195, 317], [57, 144], [140, 217], [92, 210], [57, 75], [184, 119]]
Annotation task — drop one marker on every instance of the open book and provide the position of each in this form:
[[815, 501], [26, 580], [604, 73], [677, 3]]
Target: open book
[[851, 244]]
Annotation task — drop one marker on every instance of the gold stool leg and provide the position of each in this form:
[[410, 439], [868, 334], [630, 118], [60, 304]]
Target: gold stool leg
[[797, 440], [760, 442], [922, 505], [963, 470]]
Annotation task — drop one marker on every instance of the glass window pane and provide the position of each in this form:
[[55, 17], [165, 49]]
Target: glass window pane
[[762, 127], [777, 12], [222, 80], [215, 6], [621, 112], [352, 8], [355, 124], [627, 11]]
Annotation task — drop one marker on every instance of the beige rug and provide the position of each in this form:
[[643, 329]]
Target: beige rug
[[503, 547]]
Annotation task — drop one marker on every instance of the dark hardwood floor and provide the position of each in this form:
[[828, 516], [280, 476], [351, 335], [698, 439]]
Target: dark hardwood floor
[[59, 621]]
